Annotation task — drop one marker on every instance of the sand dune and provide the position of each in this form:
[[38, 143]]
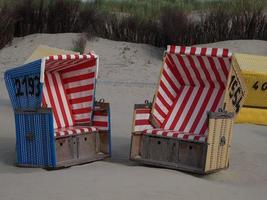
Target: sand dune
[[128, 74]]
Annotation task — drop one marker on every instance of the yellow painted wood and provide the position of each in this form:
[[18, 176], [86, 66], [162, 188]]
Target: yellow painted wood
[[252, 115], [44, 51]]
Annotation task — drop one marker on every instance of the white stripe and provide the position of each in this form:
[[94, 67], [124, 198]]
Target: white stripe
[[168, 86], [208, 52], [198, 51], [200, 70], [81, 105], [196, 110], [191, 71], [186, 109], [142, 116], [162, 107], [172, 76], [47, 100], [211, 72], [177, 49], [220, 52], [158, 116], [78, 72], [82, 116], [42, 71], [205, 114], [56, 101], [219, 69], [176, 108], [180, 69], [187, 50], [165, 96], [100, 118], [149, 131], [79, 83], [80, 94], [64, 100]]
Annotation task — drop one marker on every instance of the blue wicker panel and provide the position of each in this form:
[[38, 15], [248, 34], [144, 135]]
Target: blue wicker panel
[[39, 150], [23, 85]]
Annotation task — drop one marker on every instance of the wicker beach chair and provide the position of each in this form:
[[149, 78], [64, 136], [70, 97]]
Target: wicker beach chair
[[58, 121], [188, 126]]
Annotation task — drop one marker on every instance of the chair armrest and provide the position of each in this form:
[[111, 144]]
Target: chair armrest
[[141, 118], [220, 127], [101, 116]]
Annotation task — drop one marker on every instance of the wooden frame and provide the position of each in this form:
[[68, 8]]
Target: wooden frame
[[196, 157], [63, 151]]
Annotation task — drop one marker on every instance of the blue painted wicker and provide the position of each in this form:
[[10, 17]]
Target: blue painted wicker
[[35, 144], [24, 87]]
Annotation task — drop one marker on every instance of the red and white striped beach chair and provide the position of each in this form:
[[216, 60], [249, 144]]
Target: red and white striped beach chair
[[188, 126], [58, 121]]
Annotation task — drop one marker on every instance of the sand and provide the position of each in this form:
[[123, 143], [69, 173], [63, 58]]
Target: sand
[[128, 75]]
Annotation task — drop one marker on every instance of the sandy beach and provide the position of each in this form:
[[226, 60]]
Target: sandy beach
[[128, 74]]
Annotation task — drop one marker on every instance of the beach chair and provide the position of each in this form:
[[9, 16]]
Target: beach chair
[[58, 121], [188, 126]]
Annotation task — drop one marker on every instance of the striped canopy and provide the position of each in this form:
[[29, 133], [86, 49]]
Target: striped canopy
[[192, 83], [69, 83]]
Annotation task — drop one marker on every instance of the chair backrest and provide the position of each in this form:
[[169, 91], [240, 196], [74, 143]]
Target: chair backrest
[[69, 90], [55, 97], [192, 83]]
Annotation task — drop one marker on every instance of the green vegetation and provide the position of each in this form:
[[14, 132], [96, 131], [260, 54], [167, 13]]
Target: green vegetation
[[156, 22]]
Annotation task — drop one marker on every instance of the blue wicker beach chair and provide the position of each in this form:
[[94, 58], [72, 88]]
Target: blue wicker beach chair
[[58, 121]]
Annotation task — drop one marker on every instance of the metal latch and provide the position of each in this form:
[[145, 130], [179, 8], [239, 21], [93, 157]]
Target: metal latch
[[30, 136], [223, 141]]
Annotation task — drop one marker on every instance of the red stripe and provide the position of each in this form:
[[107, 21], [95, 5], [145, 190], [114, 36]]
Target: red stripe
[[193, 50], [174, 87], [81, 100], [172, 49], [161, 98], [214, 51], [51, 99], [82, 120], [88, 64], [187, 73], [195, 69], [171, 64], [206, 72], [142, 111], [224, 67], [225, 52], [166, 90], [213, 109], [201, 110], [100, 124], [79, 78], [80, 88], [182, 49], [172, 107], [192, 108], [100, 113], [182, 107], [60, 101], [160, 110], [203, 51], [214, 69], [81, 111]]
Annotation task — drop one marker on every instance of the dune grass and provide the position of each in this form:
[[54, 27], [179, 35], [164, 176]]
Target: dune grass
[[156, 22]]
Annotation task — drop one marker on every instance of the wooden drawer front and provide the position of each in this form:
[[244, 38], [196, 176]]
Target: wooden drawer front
[[192, 154], [159, 149], [66, 149], [87, 146]]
